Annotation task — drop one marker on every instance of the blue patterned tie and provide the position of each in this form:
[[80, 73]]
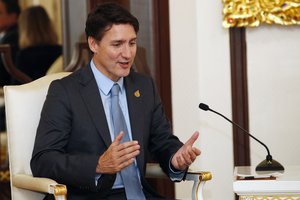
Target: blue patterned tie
[[129, 174]]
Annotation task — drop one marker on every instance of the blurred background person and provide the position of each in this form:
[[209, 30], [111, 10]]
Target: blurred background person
[[38, 43], [9, 13]]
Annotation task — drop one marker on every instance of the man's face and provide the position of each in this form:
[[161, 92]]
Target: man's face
[[115, 53], [6, 19]]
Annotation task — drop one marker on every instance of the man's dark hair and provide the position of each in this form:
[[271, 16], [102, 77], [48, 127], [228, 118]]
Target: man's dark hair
[[104, 16], [12, 6]]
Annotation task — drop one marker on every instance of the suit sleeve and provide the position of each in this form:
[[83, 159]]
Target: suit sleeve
[[163, 144], [50, 156]]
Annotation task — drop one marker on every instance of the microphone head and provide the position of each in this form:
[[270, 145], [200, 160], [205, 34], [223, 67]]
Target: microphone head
[[203, 106]]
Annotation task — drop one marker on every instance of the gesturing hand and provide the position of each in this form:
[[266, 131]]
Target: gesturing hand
[[186, 155], [117, 156]]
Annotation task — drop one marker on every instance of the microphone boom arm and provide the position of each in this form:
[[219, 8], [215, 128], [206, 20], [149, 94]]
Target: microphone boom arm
[[243, 130], [269, 164]]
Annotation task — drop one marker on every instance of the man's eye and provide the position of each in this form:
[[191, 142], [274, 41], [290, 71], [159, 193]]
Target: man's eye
[[133, 43], [116, 44]]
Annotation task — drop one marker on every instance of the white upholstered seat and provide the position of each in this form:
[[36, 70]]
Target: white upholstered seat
[[23, 107]]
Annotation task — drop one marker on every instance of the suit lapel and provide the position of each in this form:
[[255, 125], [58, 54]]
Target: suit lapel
[[135, 109], [92, 99]]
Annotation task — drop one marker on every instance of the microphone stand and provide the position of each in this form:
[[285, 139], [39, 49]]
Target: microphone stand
[[269, 164]]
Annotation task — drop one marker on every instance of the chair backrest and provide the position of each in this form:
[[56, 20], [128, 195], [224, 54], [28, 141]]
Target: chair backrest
[[1, 97], [6, 56], [57, 66], [80, 58], [23, 107]]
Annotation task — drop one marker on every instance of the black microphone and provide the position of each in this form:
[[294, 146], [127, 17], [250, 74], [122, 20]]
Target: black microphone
[[266, 165]]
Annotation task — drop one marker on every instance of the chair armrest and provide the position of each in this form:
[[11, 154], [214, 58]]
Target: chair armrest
[[38, 184], [153, 170]]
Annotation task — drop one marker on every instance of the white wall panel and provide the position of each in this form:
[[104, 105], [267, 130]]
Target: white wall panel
[[200, 69], [274, 92]]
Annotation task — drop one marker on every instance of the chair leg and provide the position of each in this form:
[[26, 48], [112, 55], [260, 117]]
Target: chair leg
[[199, 181], [5, 193]]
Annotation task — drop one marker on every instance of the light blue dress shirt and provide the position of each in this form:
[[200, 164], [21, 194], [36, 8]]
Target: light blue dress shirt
[[104, 85]]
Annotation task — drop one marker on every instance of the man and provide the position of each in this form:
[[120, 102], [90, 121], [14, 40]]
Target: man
[[9, 13], [80, 143]]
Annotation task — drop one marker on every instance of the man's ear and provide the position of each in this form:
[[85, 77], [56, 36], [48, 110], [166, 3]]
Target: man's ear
[[93, 44]]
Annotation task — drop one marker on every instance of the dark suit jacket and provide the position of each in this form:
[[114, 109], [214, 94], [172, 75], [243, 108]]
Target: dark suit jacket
[[73, 132]]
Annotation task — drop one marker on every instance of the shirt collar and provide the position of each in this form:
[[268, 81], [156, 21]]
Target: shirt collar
[[104, 83]]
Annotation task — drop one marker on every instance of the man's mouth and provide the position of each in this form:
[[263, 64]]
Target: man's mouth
[[124, 64]]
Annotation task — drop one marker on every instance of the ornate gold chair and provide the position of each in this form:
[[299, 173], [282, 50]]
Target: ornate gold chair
[[23, 106]]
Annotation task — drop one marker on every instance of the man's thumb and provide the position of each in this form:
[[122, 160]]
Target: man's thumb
[[119, 138], [193, 138]]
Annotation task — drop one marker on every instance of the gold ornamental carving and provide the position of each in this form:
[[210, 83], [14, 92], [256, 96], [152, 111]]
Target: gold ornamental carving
[[252, 13]]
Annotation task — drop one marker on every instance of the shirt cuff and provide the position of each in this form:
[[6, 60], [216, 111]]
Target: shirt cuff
[[175, 174], [97, 178]]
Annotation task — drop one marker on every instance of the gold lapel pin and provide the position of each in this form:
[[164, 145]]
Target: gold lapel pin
[[137, 93]]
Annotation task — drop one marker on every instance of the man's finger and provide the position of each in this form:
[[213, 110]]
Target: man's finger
[[196, 151], [192, 139], [119, 138]]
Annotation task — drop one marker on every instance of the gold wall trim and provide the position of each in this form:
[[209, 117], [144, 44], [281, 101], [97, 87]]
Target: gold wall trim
[[276, 197]]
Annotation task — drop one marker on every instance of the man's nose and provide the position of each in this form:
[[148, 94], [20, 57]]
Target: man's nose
[[127, 51]]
